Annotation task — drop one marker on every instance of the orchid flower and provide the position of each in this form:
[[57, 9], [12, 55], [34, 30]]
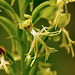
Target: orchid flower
[[28, 26], [67, 45], [45, 69], [4, 64]]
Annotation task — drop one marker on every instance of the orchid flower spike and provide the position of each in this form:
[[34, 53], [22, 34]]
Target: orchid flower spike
[[4, 64], [28, 26]]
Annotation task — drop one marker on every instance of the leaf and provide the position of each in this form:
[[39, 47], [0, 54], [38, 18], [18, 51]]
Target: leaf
[[8, 25], [10, 56], [32, 71], [28, 1], [9, 10], [44, 10], [48, 13], [12, 70], [12, 2], [37, 9]]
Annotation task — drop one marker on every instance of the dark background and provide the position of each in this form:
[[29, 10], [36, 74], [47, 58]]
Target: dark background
[[62, 62]]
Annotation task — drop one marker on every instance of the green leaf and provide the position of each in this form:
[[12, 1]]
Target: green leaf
[[48, 13], [32, 71], [37, 9], [44, 10], [8, 26], [10, 56], [12, 70], [12, 2], [28, 1], [9, 10]]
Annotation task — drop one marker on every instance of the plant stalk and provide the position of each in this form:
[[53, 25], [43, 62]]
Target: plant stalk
[[22, 9]]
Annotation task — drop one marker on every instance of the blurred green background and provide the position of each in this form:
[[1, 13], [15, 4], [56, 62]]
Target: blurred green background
[[62, 62]]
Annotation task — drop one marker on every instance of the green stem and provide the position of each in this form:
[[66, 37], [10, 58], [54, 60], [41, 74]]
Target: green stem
[[24, 69], [22, 8], [66, 9]]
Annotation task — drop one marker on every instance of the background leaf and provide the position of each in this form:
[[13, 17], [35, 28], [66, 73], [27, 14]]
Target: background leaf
[[44, 10], [9, 10], [8, 25]]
